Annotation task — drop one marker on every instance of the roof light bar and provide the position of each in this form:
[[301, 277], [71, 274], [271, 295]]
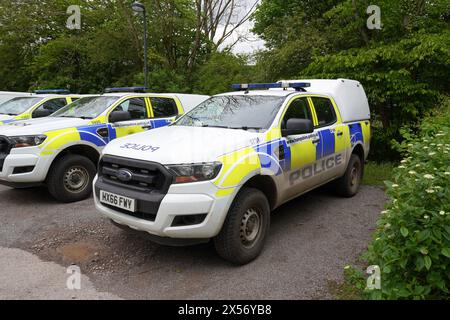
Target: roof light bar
[[52, 91], [128, 89], [280, 85]]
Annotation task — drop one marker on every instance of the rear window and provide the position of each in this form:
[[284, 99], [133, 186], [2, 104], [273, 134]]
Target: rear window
[[164, 107], [324, 110]]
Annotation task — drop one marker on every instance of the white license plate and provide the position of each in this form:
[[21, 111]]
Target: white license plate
[[118, 201]]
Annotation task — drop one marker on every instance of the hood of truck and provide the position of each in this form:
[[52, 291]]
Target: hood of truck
[[182, 145], [39, 126], [4, 117]]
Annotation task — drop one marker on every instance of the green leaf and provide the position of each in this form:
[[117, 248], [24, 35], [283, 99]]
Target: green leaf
[[446, 252], [404, 231], [427, 261]]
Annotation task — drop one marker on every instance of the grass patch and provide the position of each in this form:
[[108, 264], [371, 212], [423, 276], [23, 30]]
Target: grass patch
[[376, 173], [344, 291]]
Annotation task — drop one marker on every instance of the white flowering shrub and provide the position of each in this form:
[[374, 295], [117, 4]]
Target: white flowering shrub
[[412, 241]]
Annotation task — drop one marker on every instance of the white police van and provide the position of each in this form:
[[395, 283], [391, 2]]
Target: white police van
[[219, 171], [61, 151]]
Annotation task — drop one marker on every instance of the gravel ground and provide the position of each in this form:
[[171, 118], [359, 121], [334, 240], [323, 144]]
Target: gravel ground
[[311, 239]]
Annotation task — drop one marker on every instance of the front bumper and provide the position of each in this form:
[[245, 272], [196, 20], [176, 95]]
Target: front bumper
[[188, 199], [38, 168]]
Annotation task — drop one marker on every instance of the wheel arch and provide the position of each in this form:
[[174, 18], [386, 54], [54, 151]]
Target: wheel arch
[[266, 184], [85, 150]]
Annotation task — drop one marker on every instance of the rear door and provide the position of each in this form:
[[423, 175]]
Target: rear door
[[329, 159], [163, 111]]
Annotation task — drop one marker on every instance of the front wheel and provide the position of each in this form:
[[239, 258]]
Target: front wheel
[[70, 178], [245, 229]]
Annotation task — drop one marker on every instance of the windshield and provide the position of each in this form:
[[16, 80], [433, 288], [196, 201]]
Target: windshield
[[86, 108], [234, 112], [17, 106]]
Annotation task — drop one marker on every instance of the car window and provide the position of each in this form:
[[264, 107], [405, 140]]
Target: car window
[[164, 107], [299, 109], [324, 110], [136, 107], [52, 105]]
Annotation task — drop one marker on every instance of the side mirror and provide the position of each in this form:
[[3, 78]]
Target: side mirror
[[119, 116], [296, 126], [41, 113]]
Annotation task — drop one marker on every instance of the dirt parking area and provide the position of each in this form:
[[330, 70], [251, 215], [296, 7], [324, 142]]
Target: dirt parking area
[[311, 239]]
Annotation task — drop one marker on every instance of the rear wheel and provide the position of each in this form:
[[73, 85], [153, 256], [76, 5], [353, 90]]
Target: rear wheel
[[245, 229], [348, 185], [70, 178]]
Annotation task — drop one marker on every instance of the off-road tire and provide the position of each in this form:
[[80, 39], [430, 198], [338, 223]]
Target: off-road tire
[[348, 185], [231, 242], [59, 174]]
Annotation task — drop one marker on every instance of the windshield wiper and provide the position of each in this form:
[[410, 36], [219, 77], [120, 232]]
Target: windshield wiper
[[84, 118], [214, 126], [9, 114], [246, 128]]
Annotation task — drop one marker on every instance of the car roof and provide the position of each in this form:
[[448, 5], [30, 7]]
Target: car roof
[[277, 93]]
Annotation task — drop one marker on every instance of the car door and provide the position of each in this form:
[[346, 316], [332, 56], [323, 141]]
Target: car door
[[330, 153], [163, 111], [138, 120], [298, 177]]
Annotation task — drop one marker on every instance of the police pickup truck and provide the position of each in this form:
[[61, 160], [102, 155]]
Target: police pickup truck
[[40, 104], [219, 171], [62, 150]]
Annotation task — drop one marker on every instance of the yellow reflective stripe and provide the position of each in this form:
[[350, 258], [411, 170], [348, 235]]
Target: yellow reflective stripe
[[365, 125], [237, 166], [342, 142], [23, 116], [273, 134], [58, 138], [99, 120], [224, 192], [148, 103], [302, 154], [179, 106], [313, 111], [125, 131]]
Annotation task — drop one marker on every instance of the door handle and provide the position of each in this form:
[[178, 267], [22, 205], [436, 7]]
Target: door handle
[[146, 127], [316, 141], [340, 134]]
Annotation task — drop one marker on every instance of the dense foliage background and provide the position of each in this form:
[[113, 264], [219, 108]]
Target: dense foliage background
[[404, 67], [412, 242]]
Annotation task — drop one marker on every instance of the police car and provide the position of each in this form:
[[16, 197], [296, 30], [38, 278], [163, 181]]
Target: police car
[[40, 104], [219, 171], [62, 150]]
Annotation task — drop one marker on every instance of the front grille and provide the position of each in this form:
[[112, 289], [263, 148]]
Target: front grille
[[5, 149], [145, 176]]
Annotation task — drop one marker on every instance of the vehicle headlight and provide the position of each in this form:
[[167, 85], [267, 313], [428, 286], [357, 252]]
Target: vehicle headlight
[[186, 173], [27, 141]]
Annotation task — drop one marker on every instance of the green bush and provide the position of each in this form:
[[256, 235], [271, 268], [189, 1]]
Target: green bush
[[412, 241]]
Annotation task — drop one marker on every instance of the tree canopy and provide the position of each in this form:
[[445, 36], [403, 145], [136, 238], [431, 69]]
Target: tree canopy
[[404, 66]]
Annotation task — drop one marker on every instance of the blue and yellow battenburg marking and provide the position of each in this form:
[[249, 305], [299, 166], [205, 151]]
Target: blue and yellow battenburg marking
[[279, 156], [91, 133]]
